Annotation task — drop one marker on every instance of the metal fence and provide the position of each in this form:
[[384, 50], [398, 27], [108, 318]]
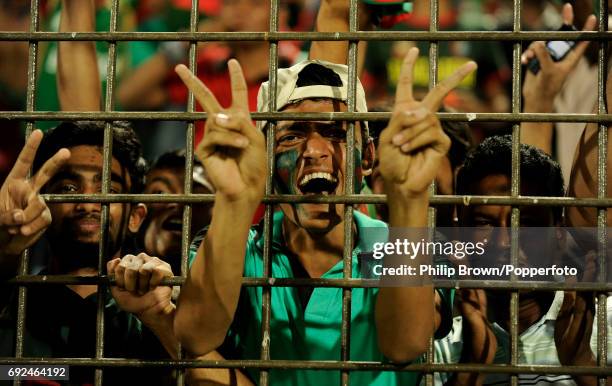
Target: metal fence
[[273, 36]]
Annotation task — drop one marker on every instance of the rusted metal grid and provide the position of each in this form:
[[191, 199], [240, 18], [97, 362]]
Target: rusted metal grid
[[273, 36]]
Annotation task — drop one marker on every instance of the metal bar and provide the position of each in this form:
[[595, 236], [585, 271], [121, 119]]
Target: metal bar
[[283, 116], [31, 280], [349, 188], [188, 172], [431, 212], [264, 376], [350, 199], [106, 184], [307, 36], [602, 187], [314, 365], [30, 105], [515, 188]]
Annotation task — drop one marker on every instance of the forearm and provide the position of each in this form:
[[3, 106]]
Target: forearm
[[162, 325], [204, 376], [334, 17], [584, 177], [136, 89], [479, 347], [405, 315], [538, 134], [77, 74], [210, 294]]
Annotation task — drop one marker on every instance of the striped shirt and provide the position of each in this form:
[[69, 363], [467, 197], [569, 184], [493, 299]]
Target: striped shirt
[[536, 347]]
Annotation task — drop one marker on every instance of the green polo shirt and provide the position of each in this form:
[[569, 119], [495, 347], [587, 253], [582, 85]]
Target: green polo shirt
[[313, 333]]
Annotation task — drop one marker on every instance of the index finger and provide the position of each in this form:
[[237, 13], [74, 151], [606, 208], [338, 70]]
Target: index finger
[[434, 98], [200, 91], [50, 168], [26, 156], [240, 93], [567, 14], [403, 92]]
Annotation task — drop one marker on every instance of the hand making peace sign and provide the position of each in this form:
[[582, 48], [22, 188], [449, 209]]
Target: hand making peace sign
[[413, 144], [233, 150], [24, 215]]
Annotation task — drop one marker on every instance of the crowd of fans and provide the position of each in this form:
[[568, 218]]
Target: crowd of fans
[[212, 316]]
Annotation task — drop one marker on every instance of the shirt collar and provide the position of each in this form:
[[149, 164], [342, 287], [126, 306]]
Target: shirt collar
[[364, 238]]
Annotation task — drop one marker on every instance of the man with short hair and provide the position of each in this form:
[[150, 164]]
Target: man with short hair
[[161, 231], [60, 319], [554, 327], [394, 323]]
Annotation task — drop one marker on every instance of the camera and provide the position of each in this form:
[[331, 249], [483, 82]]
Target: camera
[[557, 49]]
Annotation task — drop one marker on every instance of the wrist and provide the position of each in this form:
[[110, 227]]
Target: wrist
[[543, 104], [407, 210], [158, 319]]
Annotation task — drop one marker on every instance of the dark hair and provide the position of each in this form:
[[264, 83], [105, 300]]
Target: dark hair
[[172, 160], [126, 145], [315, 74], [493, 156]]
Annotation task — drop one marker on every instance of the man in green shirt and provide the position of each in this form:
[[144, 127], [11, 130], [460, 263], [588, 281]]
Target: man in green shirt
[[392, 323]]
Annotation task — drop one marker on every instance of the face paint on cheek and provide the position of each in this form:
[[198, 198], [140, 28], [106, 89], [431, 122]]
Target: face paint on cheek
[[285, 172]]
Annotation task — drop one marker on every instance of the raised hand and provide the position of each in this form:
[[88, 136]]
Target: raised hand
[[540, 89], [573, 329], [233, 150], [413, 144], [24, 215], [137, 287]]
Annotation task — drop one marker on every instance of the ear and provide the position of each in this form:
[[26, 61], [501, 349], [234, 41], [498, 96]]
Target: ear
[[367, 161], [137, 216]]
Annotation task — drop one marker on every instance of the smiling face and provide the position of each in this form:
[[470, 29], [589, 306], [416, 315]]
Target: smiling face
[[311, 159], [164, 224], [74, 233]]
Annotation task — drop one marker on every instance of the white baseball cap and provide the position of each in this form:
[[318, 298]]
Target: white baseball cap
[[288, 92]]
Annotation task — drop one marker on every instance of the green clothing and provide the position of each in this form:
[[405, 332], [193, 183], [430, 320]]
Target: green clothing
[[61, 324], [313, 333], [47, 98]]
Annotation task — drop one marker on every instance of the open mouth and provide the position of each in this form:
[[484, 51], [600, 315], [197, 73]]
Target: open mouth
[[318, 183], [173, 224]]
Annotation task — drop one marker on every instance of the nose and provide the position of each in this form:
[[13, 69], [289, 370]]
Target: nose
[[88, 206], [317, 148]]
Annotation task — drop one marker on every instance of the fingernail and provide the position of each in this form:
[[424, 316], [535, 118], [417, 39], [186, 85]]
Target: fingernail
[[222, 119], [397, 139], [18, 216], [242, 142]]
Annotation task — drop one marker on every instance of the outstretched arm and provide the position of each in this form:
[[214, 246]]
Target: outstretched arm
[[583, 179], [233, 152], [540, 90], [411, 150], [333, 16], [78, 79]]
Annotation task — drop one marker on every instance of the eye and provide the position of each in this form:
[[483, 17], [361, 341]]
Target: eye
[[68, 188], [289, 139]]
